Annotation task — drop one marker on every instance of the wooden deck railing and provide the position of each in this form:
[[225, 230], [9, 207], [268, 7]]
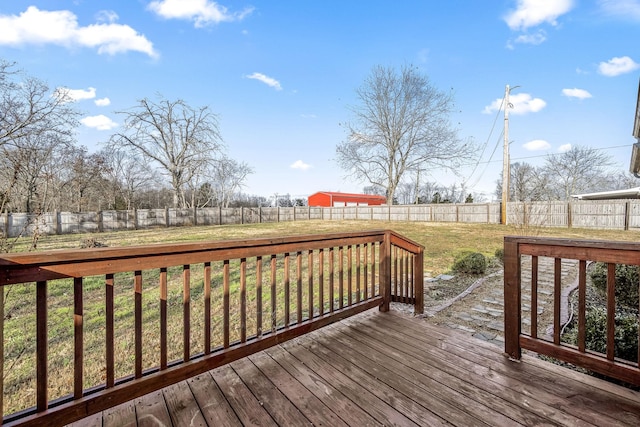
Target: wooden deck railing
[[560, 250], [154, 315]]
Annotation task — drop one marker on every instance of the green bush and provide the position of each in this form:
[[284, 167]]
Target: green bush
[[626, 283], [470, 263], [626, 336], [499, 254]]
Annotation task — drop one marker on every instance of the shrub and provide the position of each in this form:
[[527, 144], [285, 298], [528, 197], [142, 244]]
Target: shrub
[[626, 283], [470, 263], [626, 336], [499, 254]]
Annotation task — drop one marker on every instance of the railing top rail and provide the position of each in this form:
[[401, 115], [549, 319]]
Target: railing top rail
[[58, 264], [566, 242], [588, 250]]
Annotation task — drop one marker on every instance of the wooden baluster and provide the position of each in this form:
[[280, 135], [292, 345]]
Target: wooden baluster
[[412, 277], [349, 275], [402, 275], [243, 300], [310, 282], [341, 276], [110, 333], [611, 310], [299, 287], [137, 288], [395, 273], [207, 307], [186, 312], [273, 294], [259, 296], [406, 257], [287, 290], [42, 338], [331, 280], [321, 281], [78, 353], [373, 270], [225, 303], [358, 272], [365, 276], [163, 318], [534, 297], [582, 305], [557, 291]]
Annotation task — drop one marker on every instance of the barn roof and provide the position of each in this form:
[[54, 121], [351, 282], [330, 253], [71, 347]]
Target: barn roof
[[337, 196]]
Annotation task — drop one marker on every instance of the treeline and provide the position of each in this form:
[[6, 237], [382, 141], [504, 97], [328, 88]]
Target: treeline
[[167, 154]]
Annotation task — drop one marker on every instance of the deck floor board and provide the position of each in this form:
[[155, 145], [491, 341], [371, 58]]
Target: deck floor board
[[383, 369]]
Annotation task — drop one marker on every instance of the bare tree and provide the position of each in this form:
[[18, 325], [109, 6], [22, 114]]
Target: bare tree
[[579, 170], [28, 159], [527, 183], [179, 138], [402, 124], [226, 178], [28, 108], [127, 175]]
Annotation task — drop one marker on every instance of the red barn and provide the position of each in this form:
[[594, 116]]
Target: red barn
[[329, 199]]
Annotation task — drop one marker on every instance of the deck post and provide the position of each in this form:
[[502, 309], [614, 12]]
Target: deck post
[[512, 295], [418, 279], [385, 271]]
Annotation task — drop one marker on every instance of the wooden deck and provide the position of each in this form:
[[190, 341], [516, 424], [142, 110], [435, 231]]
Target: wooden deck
[[382, 369]]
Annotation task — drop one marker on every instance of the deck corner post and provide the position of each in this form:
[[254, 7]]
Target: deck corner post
[[512, 295], [385, 271], [418, 271]]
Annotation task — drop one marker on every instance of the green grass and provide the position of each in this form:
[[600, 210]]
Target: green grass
[[442, 243]]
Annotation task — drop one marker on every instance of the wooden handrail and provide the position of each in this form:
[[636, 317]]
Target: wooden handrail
[[294, 273], [583, 251]]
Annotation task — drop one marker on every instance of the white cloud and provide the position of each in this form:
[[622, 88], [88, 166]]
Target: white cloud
[[521, 103], [627, 9], [537, 145], [74, 95], [201, 12], [266, 80], [576, 93], [530, 13], [617, 65], [102, 102], [534, 39], [99, 122], [564, 148], [61, 28], [299, 164]]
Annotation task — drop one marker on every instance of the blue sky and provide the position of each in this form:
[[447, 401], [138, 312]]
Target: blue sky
[[281, 75]]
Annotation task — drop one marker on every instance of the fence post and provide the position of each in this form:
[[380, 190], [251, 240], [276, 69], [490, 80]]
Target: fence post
[[195, 215], [6, 223], [627, 210], [259, 214], [166, 217], [385, 271], [569, 215], [100, 222], [512, 295], [135, 218]]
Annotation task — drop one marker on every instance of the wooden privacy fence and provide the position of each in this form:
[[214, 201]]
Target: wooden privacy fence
[[516, 249], [606, 214], [138, 319]]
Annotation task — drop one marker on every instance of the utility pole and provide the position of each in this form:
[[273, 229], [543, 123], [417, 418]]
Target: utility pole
[[505, 160]]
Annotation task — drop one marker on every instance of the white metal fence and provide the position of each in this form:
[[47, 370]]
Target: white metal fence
[[607, 214]]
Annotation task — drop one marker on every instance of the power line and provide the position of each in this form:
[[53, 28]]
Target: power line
[[484, 147]]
